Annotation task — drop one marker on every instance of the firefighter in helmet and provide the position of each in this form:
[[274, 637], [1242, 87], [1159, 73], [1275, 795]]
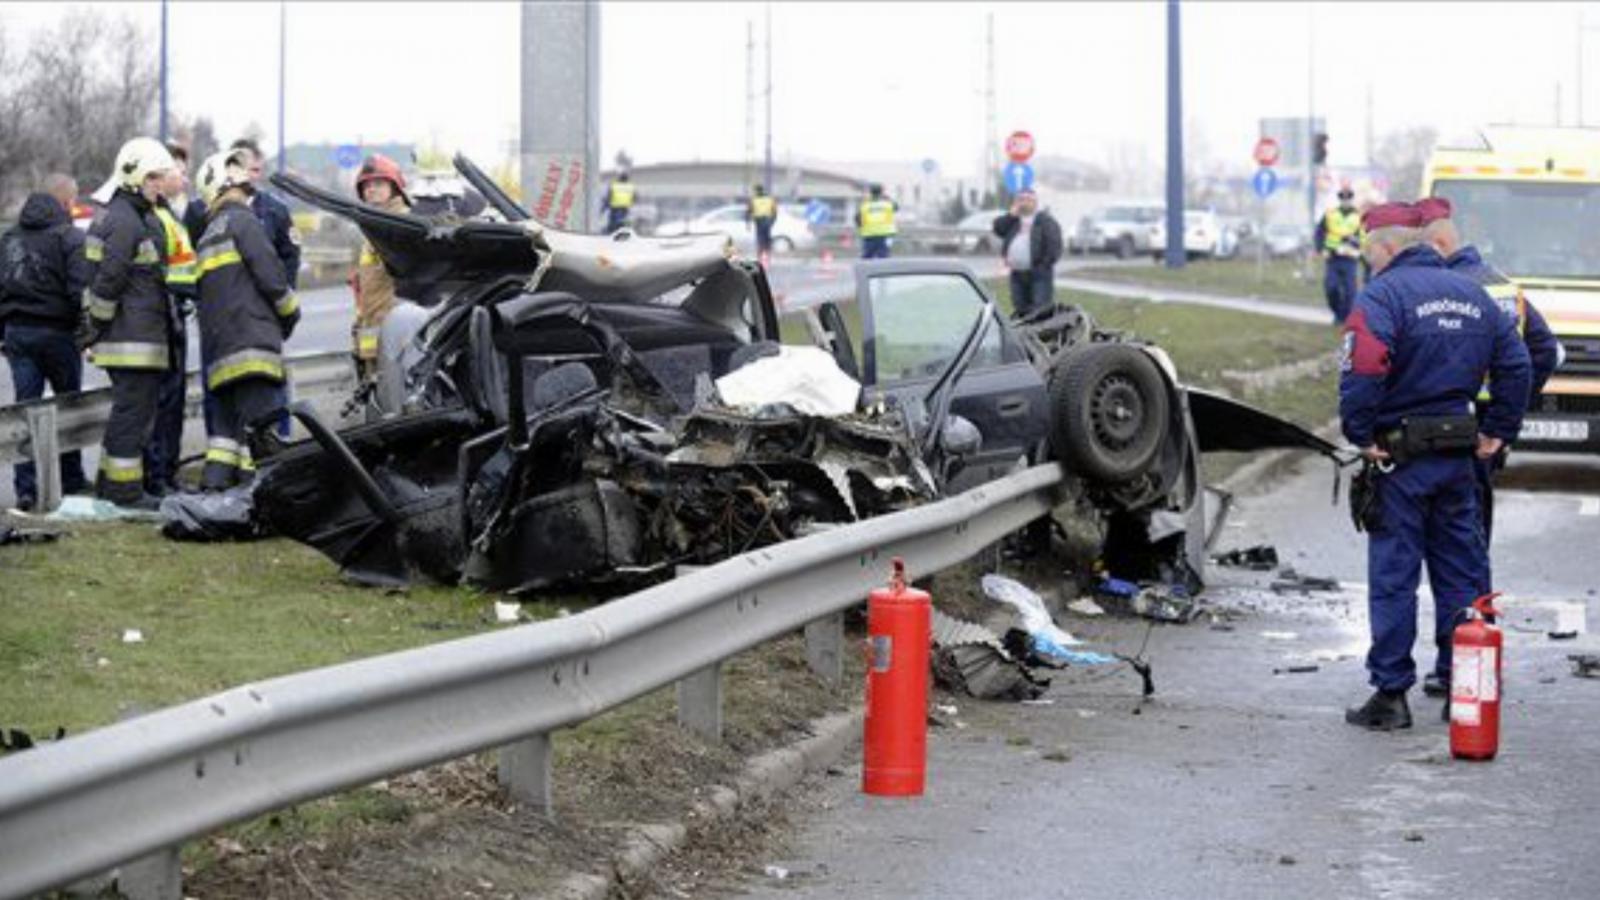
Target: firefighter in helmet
[[129, 315], [247, 310], [380, 183]]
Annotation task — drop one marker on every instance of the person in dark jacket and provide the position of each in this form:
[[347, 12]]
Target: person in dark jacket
[[247, 310], [166, 441], [42, 277], [129, 315], [1417, 347], [1031, 246]]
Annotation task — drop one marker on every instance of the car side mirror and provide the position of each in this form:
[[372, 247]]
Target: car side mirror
[[960, 438]]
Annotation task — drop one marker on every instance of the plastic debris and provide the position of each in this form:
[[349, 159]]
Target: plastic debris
[[805, 378], [778, 872], [507, 612], [217, 516], [132, 636], [93, 509], [1046, 639], [1165, 605], [1261, 558], [1086, 607], [10, 535]]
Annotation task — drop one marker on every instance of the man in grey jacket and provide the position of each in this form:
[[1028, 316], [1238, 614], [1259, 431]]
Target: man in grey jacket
[[1031, 246]]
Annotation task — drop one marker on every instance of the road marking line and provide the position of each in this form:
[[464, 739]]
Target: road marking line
[[1589, 506]]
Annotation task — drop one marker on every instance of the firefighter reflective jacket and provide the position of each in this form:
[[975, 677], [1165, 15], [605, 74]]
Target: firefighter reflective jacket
[[247, 308], [127, 295], [1544, 350], [374, 289], [876, 218], [1341, 232]]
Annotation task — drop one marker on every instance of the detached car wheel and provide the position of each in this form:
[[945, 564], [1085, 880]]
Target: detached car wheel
[[1109, 411]]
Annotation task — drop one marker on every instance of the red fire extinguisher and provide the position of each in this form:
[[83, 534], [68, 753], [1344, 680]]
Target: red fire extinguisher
[[1475, 658], [899, 634]]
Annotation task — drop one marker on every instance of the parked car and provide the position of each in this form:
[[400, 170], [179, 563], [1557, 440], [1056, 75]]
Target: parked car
[[1203, 236], [563, 421], [1121, 230], [976, 232], [790, 232], [1285, 239]]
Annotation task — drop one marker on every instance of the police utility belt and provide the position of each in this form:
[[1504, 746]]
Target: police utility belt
[[1417, 437], [1420, 436]]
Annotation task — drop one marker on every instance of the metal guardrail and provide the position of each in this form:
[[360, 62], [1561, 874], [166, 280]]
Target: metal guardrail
[[39, 430], [139, 788]]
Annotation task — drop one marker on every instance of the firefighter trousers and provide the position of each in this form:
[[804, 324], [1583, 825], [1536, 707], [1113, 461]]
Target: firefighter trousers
[[240, 405], [134, 396]]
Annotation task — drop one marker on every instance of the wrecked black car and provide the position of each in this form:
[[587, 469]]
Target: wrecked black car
[[561, 413]]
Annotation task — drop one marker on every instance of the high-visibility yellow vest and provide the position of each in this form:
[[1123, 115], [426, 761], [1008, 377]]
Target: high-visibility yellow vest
[[763, 208], [1514, 304], [621, 195], [877, 218], [182, 265], [1338, 226]]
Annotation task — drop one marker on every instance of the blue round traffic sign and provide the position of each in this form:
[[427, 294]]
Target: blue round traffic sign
[[347, 156], [1018, 176], [1265, 182]]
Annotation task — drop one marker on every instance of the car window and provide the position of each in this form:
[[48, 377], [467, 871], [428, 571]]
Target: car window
[[920, 321]]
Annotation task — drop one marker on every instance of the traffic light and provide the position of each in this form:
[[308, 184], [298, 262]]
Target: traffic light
[[1319, 149]]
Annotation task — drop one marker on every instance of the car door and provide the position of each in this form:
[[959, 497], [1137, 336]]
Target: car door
[[915, 317]]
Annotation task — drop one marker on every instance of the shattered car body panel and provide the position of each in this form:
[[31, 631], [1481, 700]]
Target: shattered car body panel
[[558, 423]]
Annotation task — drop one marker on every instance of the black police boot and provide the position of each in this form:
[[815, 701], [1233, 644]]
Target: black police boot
[[1434, 686], [1383, 711]]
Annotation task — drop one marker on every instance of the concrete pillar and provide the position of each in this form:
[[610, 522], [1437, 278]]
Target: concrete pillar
[[561, 113]]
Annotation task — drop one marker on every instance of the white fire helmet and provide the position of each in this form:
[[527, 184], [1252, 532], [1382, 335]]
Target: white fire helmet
[[138, 159], [219, 172]]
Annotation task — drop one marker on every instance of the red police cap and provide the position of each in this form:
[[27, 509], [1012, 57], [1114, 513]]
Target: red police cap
[[1388, 215], [1432, 209]]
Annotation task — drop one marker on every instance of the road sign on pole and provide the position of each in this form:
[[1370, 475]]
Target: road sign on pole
[[1266, 152], [1019, 146], [1265, 182], [347, 156], [1018, 176]]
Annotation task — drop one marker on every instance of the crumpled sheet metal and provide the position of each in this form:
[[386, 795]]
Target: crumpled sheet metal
[[973, 660]]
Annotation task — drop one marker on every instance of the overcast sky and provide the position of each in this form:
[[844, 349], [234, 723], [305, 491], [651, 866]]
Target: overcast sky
[[896, 81]]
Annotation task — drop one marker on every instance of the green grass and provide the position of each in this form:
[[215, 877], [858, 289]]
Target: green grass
[[212, 616], [1286, 280]]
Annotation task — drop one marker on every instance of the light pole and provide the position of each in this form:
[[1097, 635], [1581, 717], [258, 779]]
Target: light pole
[[161, 126], [1175, 254], [283, 75]]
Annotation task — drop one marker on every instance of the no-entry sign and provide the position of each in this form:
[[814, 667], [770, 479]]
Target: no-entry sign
[[1266, 152], [1019, 146]]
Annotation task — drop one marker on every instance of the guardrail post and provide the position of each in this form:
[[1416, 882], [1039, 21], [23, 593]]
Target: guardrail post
[[700, 702], [158, 876], [825, 647], [46, 457], [525, 772]]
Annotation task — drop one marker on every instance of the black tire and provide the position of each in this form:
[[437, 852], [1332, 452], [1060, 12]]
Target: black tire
[[1109, 412], [1125, 247]]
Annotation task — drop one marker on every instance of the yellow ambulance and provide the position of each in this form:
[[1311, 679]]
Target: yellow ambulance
[[1529, 199]]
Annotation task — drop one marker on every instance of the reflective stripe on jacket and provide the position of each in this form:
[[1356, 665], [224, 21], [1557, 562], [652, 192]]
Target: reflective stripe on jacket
[[182, 272], [246, 305], [127, 295], [877, 218]]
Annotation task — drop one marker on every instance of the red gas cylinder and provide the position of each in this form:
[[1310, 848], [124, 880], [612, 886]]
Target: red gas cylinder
[[1475, 660], [899, 635]]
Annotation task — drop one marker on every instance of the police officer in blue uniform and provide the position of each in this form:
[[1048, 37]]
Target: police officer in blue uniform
[[1544, 352], [1417, 347]]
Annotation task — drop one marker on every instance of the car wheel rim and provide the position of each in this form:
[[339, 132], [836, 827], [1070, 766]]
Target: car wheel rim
[[1117, 413]]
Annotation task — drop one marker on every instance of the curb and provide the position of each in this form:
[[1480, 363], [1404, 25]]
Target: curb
[[771, 773]]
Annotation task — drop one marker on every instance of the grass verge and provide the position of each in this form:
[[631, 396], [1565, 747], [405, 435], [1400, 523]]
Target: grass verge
[[1285, 280]]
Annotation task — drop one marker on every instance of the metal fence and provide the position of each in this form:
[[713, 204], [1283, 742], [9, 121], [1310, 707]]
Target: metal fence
[[138, 789], [40, 430]]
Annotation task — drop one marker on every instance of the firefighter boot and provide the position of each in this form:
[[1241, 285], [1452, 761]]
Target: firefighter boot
[[1383, 711], [126, 494]]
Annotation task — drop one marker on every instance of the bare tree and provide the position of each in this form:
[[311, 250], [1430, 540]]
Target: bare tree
[[69, 102], [1403, 154]]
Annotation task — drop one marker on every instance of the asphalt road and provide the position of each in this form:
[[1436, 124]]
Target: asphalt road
[[1236, 782]]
